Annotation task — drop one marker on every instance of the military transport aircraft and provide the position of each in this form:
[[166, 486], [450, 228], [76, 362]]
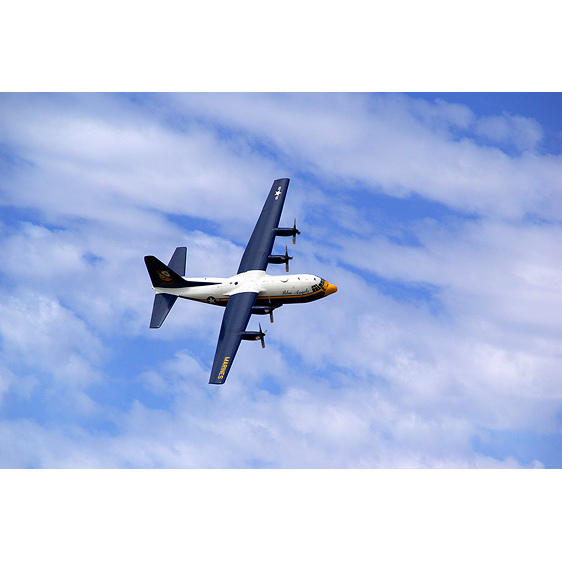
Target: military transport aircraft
[[250, 291]]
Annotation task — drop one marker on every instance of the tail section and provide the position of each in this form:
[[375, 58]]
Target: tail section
[[162, 276], [168, 277]]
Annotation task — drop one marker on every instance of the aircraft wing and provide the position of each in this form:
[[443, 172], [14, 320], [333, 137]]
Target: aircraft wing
[[256, 257], [234, 322], [261, 242]]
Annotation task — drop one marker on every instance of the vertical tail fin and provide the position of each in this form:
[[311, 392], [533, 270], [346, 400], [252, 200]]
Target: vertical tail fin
[[177, 262]]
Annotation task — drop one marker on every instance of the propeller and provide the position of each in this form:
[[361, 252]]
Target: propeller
[[287, 258], [270, 312], [295, 232], [262, 335]]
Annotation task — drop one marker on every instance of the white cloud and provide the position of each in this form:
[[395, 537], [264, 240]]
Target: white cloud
[[40, 332], [523, 133], [388, 142]]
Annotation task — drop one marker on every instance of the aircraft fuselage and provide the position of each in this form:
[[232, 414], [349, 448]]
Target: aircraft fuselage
[[277, 289]]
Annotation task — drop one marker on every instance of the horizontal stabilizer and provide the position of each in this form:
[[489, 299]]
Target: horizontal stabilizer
[[162, 305]]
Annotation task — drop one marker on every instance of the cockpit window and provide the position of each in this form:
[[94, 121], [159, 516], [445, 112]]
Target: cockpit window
[[318, 286]]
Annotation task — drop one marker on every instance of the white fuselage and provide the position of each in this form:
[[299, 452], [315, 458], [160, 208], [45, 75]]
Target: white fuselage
[[280, 289]]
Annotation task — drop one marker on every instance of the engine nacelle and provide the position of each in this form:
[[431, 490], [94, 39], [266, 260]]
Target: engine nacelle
[[265, 309], [281, 259], [278, 259], [262, 310], [255, 336], [288, 232], [252, 336]]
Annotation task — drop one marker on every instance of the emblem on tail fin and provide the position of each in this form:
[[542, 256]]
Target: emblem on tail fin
[[165, 276]]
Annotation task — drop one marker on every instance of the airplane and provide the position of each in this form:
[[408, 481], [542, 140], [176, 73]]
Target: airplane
[[250, 291]]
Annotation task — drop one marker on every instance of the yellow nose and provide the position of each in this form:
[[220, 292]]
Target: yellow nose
[[330, 289]]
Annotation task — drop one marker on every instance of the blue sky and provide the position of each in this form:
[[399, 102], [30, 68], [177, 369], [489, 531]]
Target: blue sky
[[438, 216]]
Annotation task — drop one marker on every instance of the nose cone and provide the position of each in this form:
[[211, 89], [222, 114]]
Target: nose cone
[[330, 289]]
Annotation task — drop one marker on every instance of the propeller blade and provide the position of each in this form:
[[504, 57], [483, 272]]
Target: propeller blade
[[295, 231], [262, 334], [287, 258]]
